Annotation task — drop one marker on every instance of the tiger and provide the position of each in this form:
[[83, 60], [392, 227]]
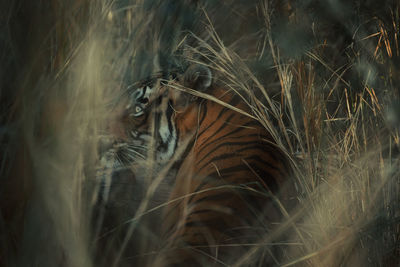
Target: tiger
[[230, 180]]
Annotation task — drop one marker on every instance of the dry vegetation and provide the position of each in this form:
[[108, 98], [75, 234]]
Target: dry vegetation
[[322, 76]]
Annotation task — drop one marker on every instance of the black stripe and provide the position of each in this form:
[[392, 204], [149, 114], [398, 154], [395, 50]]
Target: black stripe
[[226, 155], [208, 180], [229, 155], [265, 148], [168, 114], [238, 129], [184, 155], [215, 177], [202, 108], [217, 195], [214, 121], [224, 124], [271, 165], [245, 144], [217, 158], [224, 109], [226, 171]]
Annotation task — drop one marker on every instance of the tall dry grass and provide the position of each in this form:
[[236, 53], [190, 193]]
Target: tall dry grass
[[321, 76]]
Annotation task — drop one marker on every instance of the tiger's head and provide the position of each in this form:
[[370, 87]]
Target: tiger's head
[[153, 116]]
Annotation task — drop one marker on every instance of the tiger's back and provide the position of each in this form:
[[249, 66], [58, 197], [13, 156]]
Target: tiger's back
[[223, 198]]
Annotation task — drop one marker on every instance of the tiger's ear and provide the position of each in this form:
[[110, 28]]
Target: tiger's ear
[[197, 77]]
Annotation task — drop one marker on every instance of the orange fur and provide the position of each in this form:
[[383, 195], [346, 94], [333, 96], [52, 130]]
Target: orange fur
[[195, 223]]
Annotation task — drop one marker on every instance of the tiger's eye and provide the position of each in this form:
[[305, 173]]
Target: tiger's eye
[[138, 109]]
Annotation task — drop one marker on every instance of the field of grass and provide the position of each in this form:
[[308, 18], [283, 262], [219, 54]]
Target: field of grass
[[323, 77]]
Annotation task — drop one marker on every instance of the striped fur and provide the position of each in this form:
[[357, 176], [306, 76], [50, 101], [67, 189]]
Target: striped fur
[[228, 177], [223, 196]]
